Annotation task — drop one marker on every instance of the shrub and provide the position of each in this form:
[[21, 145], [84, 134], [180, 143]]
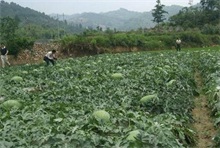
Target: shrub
[[154, 44], [194, 39], [210, 29], [18, 44], [215, 39], [102, 41]]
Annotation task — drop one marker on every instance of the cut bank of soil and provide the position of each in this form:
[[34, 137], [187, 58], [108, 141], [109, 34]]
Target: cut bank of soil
[[202, 115]]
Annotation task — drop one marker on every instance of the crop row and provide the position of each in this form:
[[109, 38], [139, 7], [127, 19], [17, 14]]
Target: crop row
[[58, 102]]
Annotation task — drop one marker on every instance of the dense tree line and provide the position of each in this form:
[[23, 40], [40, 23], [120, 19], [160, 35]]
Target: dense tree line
[[206, 18]]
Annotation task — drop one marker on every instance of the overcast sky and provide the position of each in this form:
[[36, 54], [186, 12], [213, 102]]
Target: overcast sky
[[97, 6]]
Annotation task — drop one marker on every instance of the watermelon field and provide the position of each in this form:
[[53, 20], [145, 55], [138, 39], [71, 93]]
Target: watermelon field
[[126, 100]]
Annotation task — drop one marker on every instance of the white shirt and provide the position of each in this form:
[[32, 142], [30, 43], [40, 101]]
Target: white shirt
[[50, 55], [178, 41]]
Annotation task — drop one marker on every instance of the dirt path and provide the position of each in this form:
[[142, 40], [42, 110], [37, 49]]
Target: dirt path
[[203, 123]]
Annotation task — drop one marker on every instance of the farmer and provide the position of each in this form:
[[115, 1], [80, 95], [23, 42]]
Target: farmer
[[178, 43], [50, 57], [4, 57]]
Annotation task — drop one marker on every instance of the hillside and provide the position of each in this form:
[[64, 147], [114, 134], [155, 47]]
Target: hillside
[[121, 19], [25, 15], [28, 17]]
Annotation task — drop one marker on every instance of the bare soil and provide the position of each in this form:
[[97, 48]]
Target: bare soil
[[203, 124]]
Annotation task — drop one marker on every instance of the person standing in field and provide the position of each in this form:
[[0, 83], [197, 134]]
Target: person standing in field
[[50, 57], [4, 56], [178, 44]]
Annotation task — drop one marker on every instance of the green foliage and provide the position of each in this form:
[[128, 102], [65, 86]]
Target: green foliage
[[210, 4], [9, 36], [215, 39], [198, 17], [37, 25], [211, 29], [210, 72], [102, 41], [195, 39], [97, 43], [24, 43], [187, 18], [16, 45], [158, 13], [8, 28], [133, 135], [192, 37], [13, 48], [58, 102], [153, 45], [120, 40]]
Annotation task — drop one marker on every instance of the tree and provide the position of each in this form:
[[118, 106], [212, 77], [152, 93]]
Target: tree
[[188, 17], [8, 28], [9, 36], [158, 13], [211, 11], [210, 4]]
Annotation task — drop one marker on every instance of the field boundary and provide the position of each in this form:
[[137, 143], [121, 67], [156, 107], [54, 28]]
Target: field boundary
[[203, 122]]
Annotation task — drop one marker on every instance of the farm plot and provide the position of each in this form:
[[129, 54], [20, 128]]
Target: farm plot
[[123, 100]]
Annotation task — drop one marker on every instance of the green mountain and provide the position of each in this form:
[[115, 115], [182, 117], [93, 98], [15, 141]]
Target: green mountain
[[30, 17], [25, 15], [121, 19]]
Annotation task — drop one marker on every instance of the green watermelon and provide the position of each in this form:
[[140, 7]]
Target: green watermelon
[[101, 115], [11, 104]]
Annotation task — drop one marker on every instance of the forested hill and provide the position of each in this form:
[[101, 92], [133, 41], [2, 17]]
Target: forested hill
[[25, 15], [30, 17], [121, 19]]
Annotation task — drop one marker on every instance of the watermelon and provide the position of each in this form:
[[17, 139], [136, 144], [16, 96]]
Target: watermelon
[[117, 76], [11, 104], [171, 82], [101, 115], [148, 98], [17, 79]]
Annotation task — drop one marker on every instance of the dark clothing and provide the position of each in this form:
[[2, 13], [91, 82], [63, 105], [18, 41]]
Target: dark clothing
[[178, 48], [3, 51], [47, 60], [178, 43]]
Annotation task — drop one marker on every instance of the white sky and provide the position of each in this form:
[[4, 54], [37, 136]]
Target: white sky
[[97, 6]]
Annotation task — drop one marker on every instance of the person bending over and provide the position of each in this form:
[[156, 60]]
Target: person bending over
[[50, 57]]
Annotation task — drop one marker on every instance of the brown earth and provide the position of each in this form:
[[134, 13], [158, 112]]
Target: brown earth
[[36, 54], [203, 124]]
